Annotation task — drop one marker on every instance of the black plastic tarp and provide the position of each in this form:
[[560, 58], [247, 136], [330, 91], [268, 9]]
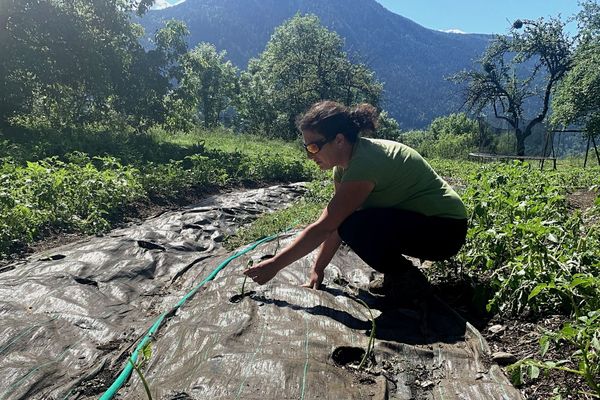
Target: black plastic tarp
[[70, 317]]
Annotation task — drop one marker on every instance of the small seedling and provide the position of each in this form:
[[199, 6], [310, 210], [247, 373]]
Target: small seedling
[[243, 285], [249, 265], [145, 355], [371, 343], [278, 244]]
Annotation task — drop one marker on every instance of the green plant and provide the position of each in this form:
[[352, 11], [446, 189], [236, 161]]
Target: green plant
[[584, 335], [249, 265], [146, 354], [371, 343]]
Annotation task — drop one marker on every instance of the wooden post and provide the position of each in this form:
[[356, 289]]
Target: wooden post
[[587, 150], [595, 148], [544, 151]]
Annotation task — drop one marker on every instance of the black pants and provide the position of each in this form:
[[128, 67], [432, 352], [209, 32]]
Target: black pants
[[380, 236]]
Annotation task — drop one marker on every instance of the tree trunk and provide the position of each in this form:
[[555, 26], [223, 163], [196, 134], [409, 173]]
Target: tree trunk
[[520, 142]]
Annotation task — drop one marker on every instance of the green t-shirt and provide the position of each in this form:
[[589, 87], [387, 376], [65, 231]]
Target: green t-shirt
[[402, 178]]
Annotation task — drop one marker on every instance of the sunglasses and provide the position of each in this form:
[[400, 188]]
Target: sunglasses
[[315, 147]]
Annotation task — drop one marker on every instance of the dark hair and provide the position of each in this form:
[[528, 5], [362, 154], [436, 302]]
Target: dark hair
[[330, 118]]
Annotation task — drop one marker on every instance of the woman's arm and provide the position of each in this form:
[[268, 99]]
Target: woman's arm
[[348, 197], [326, 253]]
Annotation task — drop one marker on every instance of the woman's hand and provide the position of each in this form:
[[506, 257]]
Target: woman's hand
[[264, 271], [315, 279]]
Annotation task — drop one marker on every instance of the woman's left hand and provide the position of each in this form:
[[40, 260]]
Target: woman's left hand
[[264, 271]]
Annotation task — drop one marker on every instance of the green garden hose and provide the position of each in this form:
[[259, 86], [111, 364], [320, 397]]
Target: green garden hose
[[124, 375]]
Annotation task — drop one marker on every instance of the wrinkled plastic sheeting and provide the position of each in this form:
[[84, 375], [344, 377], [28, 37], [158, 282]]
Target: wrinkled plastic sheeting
[[70, 316], [283, 341], [278, 341]]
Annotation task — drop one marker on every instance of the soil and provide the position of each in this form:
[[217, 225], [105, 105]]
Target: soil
[[519, 336], [581, 199]]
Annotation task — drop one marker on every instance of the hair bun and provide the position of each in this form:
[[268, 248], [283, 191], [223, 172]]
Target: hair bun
[[365, 117]]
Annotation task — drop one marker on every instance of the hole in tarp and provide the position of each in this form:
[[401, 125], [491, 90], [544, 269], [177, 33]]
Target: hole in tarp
[[53, 257], [85, 281], [367, 381], [239, 297], [345, 355], [149, 245], [179, 396], [266, 257]]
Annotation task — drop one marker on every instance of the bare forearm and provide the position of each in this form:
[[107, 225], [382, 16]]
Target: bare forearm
[[328, 250], [307, 241]]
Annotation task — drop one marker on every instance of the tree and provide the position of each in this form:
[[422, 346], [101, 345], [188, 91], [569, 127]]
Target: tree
[[519, 70], [387, 127], [209, 84], [303, 62], [171, 45], [75, 62], [46, 46], [577, 99]]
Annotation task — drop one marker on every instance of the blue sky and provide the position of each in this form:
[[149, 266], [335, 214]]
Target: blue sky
[[479, 16], [470, 16]]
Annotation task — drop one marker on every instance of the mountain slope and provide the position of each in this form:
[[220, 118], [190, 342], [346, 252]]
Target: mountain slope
[[411, 60]]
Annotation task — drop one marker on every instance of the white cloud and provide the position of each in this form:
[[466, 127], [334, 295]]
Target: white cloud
[[160, 4], [453, 31]]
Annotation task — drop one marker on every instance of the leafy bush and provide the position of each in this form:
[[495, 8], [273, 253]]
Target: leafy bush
[[50, 195], [77, 192], [523, 234]]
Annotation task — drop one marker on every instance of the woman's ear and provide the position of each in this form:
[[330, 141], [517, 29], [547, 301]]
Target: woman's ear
[[340, 138]]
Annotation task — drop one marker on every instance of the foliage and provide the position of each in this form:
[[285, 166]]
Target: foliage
[[209, 84], [79, 62], [50, 195], [77, 192], [577, 100], [454, 124], [583, 334], [387, 127], [522, 232], [543, 48], [129, 147], [451, 137], [303, 62]]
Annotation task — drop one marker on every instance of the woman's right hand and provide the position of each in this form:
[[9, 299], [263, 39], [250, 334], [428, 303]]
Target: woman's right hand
[[315, 279], [264, 271]]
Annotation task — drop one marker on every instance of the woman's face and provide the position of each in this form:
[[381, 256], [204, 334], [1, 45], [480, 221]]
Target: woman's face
[[326, 157]]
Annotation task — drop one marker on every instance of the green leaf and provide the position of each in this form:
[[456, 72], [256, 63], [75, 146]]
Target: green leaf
[[516, 374], [544, 345], [596, 344], [568, 331], [533, 371], [581, 280], [537, 290], [147, 351]]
